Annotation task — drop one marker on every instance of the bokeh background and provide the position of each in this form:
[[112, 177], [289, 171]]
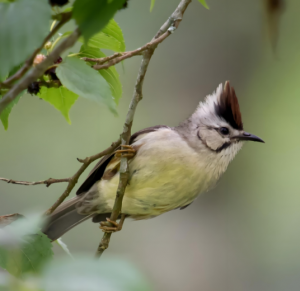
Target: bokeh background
[[243, 235]]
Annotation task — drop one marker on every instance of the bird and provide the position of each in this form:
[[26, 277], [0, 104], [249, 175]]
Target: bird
[[169, 167]]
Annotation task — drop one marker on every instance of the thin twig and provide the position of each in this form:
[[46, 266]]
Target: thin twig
[[65, 17], [102, 60], [10, 218], [47, 182], [74, 179], [39, 70], [165, 31], [130, 54]]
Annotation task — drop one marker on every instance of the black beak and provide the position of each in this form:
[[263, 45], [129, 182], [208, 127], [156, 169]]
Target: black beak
[[248, 136]]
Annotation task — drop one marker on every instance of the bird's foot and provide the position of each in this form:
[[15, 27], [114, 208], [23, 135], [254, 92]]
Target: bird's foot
[[106, 225], [128, 152]]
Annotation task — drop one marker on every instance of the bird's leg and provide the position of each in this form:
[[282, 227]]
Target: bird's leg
[[105, 226], [128, 152]]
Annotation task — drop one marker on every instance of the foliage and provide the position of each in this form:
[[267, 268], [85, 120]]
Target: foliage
[[23, 248], [152, 5], [71, 79], [81, 79], [22, 31], [204, 3], [89, 274], [92, 16], [110, 75], [5, 114], [61, 98], [24, 25], [25, 253]]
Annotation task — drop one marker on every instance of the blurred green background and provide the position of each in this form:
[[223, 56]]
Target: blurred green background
[[244, 234]]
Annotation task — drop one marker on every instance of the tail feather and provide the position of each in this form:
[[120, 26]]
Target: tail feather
[[63, 219]]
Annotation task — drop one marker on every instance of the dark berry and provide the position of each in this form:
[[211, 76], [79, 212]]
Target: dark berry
[[125, 5], [58, 2], [51, 72], [33, 88], [58, 61]]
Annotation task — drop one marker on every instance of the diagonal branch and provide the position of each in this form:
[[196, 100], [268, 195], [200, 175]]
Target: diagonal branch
[[117, 58], [72, 180], [39, 70], [167, 28], [65, 17]]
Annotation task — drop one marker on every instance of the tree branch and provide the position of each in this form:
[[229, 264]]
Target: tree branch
[[33, 74], [74, 179], [102, 60], [167, 28], [65, 17], [115, 59], [47, 182]]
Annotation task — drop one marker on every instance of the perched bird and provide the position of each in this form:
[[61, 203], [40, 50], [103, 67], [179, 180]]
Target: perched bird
[[168, 167]]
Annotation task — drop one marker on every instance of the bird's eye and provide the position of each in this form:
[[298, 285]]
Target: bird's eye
[[224, 130]]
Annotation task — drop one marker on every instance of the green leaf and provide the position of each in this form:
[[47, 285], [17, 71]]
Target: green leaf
[[81, 79], [114, 30], [102, 40], [23, 248], [61, 98], [152, 5], [88, 274], [93, 15], [17, 227], [30, 257], [110, 75], [111, 37], [204, 3], [24, 24], [5, 113]]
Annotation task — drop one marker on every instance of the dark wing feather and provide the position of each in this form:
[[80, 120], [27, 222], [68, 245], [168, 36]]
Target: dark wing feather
[[145, 130], [95, 175], [97, 172]]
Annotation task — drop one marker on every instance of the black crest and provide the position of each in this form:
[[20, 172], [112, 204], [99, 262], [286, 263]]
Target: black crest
[[228, 107]]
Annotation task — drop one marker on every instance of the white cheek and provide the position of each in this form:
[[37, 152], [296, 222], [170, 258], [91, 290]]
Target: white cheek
[[212, 139]]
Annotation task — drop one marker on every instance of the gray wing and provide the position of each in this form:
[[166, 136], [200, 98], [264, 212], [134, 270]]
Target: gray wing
[[97, 172]]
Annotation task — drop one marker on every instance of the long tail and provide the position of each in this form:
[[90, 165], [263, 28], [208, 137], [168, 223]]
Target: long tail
[[64, 218]]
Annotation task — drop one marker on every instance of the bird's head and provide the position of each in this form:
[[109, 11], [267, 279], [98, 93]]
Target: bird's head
[[217, 123]]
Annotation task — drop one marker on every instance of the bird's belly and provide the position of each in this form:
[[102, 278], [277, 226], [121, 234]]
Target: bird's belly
[[157, 185]]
